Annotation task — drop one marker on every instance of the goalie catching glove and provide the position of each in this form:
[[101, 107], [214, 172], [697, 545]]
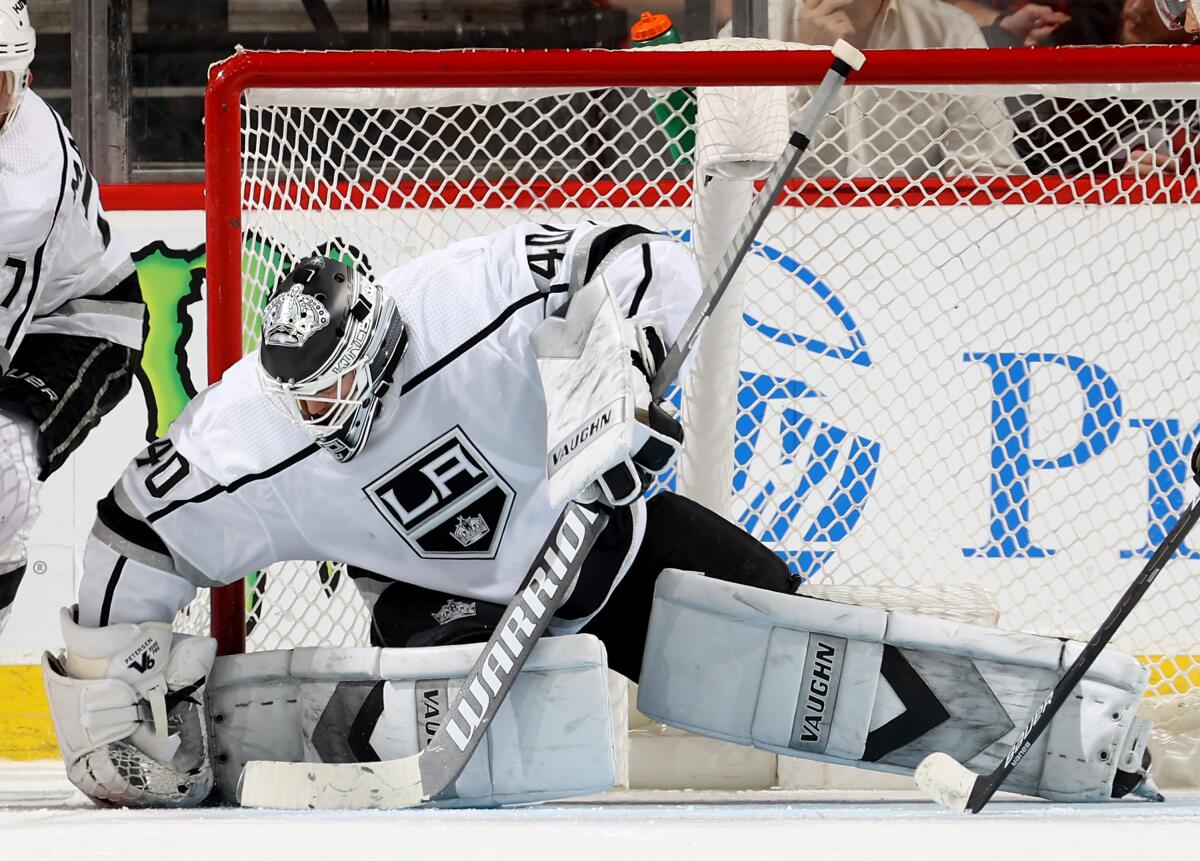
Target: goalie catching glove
[[128, 703], [606, 435]]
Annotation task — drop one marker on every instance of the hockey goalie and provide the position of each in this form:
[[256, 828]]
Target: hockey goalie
[[427, 430]]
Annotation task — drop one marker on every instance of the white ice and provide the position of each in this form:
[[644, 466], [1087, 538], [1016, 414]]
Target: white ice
[[43, 819]]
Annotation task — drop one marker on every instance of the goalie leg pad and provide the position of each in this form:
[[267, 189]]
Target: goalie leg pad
[[881, 689], [553, 737]]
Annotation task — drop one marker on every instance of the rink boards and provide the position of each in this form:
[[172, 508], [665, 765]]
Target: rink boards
[[920, 395]]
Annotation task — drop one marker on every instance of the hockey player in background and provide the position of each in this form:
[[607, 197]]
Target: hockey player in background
[[71, 312], [415, 430]]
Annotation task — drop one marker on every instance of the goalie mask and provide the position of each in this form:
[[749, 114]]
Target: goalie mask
[[17, 42], [330, 345]]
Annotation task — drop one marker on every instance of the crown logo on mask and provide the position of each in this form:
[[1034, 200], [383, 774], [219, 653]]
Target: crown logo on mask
[[292, 317]]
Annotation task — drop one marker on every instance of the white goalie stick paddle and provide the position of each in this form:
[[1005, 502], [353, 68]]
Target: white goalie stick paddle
[[414, 779], [953, 785], [847, 58]]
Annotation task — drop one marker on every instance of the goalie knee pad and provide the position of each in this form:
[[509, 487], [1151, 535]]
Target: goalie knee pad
[[881, 690], [553, 736]]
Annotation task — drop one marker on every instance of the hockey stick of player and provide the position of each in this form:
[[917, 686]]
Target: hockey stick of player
[[953, 785], [415, 779], [847, 58]]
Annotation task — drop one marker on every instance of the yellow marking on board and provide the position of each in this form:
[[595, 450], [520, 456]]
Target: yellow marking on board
[[1172, 674], [26, 731]]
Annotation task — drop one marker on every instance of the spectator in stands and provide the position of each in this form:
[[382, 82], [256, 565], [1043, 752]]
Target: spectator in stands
[[1075, 22], [1191, 22], [880, 132], [1141, 24], [1106, 135], [1167, 139], [1028, 24]]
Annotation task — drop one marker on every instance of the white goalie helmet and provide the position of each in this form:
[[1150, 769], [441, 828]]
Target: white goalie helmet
[[331, 342], [17, 42]]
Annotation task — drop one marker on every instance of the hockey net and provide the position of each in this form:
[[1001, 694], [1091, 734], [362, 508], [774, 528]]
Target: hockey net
[[960, 356]]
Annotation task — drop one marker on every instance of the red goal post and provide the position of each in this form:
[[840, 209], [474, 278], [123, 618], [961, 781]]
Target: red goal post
[[1038, 349]]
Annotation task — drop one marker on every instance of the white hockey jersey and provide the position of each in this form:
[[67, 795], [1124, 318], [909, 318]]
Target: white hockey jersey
[[449, 492], [60, 263]]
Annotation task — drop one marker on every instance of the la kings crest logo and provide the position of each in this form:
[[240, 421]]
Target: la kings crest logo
[[446, 501]]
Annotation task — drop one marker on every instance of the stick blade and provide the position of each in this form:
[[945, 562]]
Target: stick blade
[[946, 781], [332, 786]]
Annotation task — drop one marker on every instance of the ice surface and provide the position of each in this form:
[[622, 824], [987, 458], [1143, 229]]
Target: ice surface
[[43, 819]]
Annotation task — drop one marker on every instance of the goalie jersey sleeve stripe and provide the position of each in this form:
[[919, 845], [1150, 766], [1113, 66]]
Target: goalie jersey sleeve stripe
[[234, 485], [110, 590], [640, 292], [483, 333], [31, 296], [127, 527], [612, 242]]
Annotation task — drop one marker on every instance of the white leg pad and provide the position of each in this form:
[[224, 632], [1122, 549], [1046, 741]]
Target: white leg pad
[[553, 737], [881, 689]]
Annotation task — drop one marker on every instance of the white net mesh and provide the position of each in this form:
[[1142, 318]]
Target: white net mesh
[[962, 346]]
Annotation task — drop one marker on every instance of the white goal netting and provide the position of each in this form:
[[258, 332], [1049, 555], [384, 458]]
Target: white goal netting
[[961, 353]]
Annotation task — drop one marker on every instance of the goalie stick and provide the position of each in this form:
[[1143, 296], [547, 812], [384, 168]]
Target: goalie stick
[[415, 779], [953, 785]]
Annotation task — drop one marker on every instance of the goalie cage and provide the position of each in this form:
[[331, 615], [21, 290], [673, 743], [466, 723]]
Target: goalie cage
[[955, 368]]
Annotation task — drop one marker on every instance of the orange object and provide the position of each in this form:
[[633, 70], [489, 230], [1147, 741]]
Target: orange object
[[650, 26]]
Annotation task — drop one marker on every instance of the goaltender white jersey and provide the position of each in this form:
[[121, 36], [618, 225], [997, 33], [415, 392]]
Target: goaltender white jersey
[[449, 492], [58, 256]]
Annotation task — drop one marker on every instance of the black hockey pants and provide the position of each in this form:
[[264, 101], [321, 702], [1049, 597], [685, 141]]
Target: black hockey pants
[[679, 534]]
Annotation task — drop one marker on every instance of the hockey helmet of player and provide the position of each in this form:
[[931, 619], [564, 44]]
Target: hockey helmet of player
[[331, 341], [17, 42], [1174, 12]]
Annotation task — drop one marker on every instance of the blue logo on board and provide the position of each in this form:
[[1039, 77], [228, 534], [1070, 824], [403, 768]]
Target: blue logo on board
[[833, 469]]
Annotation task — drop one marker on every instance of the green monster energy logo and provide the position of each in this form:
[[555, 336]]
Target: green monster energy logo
[[171, 280]]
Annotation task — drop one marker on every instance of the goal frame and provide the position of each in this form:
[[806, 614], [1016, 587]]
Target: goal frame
[[229, 79]]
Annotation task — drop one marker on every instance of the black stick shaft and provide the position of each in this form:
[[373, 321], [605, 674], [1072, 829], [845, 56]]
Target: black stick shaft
[[987, 785]]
